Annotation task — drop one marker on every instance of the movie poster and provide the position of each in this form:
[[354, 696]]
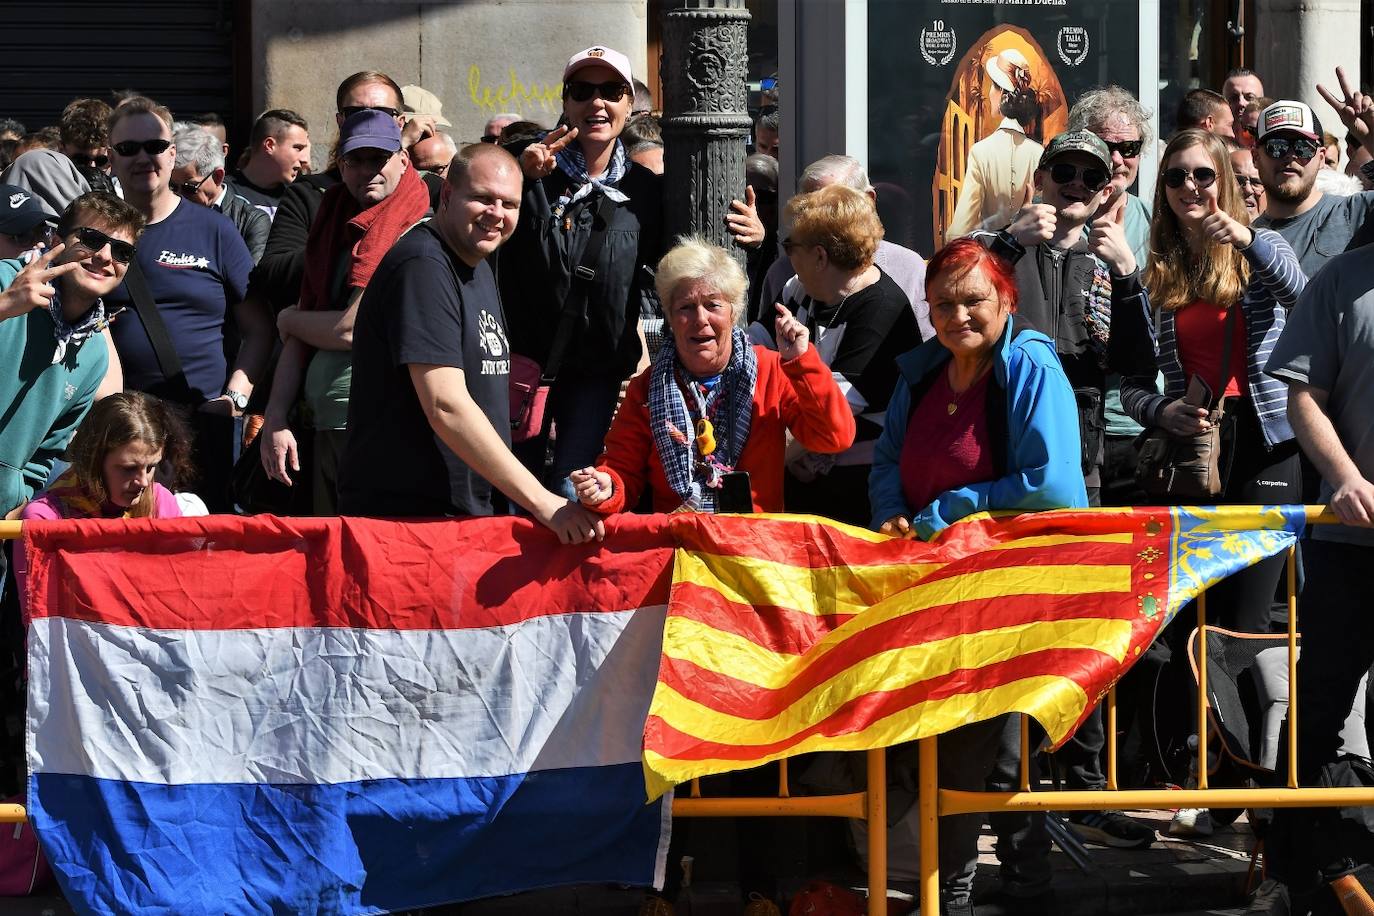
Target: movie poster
[[964, 93]]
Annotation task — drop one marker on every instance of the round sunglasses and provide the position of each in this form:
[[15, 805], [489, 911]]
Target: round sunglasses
[[1202, 178], [1094, 179]]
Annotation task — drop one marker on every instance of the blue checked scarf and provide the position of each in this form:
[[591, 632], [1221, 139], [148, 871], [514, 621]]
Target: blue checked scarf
[[572, 164], [692, 478]]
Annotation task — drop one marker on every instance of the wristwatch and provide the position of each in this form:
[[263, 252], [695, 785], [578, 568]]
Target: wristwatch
[[237, 398]]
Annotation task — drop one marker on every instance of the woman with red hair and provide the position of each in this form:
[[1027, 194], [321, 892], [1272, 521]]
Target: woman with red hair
[[982, 418]]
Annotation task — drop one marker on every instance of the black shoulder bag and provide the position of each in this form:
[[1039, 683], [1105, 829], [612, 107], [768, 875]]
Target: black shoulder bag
[[530, 382]]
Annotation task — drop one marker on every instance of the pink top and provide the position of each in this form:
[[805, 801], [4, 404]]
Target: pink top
[[44, 508], [946, 445]]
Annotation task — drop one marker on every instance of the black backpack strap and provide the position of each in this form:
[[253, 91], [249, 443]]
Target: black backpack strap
[[167, 359], [575, 305]]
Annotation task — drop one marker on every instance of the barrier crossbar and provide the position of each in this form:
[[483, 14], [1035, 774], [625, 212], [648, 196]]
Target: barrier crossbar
[[933, 802]]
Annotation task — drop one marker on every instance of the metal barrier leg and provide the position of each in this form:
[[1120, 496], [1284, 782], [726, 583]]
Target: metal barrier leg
[[928, 800], [877, 832]]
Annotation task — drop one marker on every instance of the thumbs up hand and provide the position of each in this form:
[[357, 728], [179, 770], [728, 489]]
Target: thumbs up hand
[[1034, 223], [1107, 239], [1221, 228]]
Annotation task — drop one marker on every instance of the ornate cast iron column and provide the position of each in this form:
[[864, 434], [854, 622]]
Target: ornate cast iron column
[[705, 115]]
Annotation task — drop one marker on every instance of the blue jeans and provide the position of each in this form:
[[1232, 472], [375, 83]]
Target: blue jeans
[[581, 407]]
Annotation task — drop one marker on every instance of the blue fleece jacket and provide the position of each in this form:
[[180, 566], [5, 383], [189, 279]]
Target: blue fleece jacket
[[1043, 454]]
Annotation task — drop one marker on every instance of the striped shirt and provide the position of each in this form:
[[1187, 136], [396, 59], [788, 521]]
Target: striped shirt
[[1275, 282]]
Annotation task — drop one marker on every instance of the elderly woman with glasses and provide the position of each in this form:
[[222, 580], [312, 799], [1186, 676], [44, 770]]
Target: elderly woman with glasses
[[576, 274], [713, 411], [860, 320]]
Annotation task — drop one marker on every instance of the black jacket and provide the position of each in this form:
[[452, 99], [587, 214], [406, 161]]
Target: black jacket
[[534, 271], [253, 224], [278, 274]]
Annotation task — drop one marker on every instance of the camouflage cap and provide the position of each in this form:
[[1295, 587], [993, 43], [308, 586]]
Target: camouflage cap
[[1077, 141]]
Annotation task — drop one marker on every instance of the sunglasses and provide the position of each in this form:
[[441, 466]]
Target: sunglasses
[[189, 187], [94, 240], [768, 83], [1202, 178], [349, 111], [580, 90], [1246, 181], [1302, 149], [491, 138], [1128, 149], [95, 162], [372, 159], [151, 147], [1094, 179]]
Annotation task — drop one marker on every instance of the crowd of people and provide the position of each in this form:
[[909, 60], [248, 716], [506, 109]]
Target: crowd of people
[[433, 328]]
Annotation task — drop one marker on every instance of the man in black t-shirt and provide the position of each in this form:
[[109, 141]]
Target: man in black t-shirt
[[429, 413]]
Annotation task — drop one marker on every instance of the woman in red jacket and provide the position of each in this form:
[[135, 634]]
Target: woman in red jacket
[[711, 404]]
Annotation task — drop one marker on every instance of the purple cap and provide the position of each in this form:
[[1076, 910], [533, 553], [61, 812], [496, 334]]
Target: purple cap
[[369, 129]]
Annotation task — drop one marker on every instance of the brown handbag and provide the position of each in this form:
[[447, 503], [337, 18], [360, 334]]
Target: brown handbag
[[1189, 467]]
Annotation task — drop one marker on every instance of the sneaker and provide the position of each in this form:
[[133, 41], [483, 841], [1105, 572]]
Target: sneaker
[[957, 909], [1269, 899], [1191, 822], [1111, 828], [760, 905]]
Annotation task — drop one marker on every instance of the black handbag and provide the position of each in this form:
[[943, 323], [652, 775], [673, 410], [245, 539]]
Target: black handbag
[[1189, 467]]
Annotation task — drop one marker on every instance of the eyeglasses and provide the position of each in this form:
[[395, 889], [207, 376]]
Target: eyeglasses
[[580, 90], [1128, 149], [374, 159], [95, 162], [1202, 178], [1302, 149], [1246, 181], [152, 147], [349, 111], [1094, 179], [94, 240], [188, 187], [491, 138]]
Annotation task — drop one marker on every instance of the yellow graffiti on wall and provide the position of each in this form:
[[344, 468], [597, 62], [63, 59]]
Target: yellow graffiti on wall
[[514, 95]]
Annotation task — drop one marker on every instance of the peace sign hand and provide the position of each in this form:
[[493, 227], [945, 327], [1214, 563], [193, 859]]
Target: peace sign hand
[[1356, 109], [541, 158], [33, 287]]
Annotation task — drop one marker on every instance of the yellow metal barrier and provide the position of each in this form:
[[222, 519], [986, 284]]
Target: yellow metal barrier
[[935, 802]]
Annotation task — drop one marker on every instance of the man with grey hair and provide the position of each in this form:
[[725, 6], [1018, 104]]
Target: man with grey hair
[[198, 176], [434, 153], [906, 268], [498, 122], [1115, 115]]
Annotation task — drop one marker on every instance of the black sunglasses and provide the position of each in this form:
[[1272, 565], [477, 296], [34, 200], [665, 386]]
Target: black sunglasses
[[349, 111], [1302, 149], [96, 162], [1094, 179], [1202, 178], [491, 138], [188, 187], [151, 147], [1128, 149], [94, 240], [580, 90]]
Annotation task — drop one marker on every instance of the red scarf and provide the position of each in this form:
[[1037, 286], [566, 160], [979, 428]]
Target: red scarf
[[367, 235]]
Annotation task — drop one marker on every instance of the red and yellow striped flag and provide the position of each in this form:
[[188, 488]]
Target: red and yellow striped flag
[[789, 634]]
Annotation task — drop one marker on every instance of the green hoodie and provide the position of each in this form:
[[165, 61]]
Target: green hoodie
[[40, 403]]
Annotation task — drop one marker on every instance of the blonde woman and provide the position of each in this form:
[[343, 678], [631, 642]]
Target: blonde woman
[[1208, 265]]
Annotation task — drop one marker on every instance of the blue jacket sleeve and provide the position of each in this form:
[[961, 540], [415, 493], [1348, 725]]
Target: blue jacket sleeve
[[1043, 455], [885, 479]]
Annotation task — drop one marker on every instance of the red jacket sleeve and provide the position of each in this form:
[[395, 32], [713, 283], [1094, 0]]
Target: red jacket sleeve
[[629, 449], [813, 407]]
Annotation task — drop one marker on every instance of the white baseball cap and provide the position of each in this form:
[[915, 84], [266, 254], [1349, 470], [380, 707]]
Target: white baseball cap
[[598, 54], [1288, 116]]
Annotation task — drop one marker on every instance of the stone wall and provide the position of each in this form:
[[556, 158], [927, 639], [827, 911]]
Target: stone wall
[[479, 56]]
